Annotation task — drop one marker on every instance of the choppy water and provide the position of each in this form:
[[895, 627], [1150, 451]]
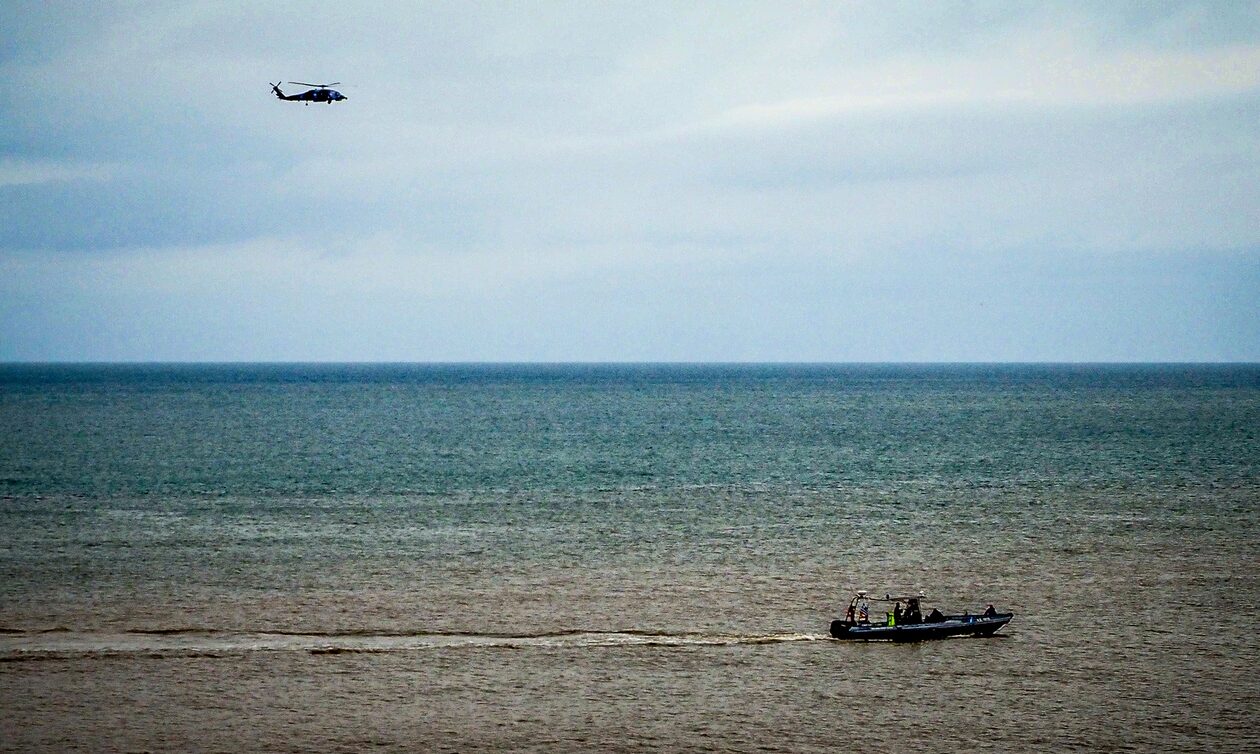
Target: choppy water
[[630, 558]]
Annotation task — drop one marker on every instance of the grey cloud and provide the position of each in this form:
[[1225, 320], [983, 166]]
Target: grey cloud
[[633, 180]]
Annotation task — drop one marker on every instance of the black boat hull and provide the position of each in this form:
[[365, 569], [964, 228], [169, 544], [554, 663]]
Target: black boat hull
[[953, 625]]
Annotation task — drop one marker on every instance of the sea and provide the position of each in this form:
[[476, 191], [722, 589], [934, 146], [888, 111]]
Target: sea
[[625, 557]]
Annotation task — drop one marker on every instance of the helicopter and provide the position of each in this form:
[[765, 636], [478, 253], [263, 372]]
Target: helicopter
[[321, 93]]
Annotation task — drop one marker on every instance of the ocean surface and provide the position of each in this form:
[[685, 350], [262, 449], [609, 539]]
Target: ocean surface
[[626, 558]]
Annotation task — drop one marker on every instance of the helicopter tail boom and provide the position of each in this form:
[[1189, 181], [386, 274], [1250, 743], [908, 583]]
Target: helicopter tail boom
[[276, 88]]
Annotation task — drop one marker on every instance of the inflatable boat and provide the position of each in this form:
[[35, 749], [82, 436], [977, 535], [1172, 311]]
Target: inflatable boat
[[910, 624]]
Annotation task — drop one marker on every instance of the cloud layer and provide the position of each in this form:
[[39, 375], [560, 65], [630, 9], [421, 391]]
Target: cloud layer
[[632, 182]]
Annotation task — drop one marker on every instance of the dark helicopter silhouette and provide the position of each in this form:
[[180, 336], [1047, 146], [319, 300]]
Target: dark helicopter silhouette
[[321, 93]]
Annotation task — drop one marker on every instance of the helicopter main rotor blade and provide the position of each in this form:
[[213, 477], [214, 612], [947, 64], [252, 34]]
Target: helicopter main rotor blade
[[318, 86]]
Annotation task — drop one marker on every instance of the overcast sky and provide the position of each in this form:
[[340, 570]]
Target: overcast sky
[[596, 181]]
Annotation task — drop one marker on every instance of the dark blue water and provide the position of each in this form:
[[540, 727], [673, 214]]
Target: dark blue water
[[398, 429]]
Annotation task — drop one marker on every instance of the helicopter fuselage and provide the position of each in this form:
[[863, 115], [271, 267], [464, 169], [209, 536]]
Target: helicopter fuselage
[[322, 94]]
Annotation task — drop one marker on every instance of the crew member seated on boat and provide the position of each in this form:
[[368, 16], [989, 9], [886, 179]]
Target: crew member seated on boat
[[989, 612], [936, 616], [912, 614]]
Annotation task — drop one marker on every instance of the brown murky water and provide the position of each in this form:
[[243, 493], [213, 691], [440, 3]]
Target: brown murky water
[[1132, 631]]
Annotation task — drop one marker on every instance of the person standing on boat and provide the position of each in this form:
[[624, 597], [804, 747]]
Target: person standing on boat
[[898, 615], [913, 613]]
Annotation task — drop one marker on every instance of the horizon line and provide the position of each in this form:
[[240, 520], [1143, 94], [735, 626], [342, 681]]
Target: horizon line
[[353, 362]]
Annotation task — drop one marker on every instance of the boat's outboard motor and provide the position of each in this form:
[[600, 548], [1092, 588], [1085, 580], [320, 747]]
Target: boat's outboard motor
[[839, 628]]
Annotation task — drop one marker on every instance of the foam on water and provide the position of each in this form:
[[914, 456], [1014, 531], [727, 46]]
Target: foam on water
[[175, 643]]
